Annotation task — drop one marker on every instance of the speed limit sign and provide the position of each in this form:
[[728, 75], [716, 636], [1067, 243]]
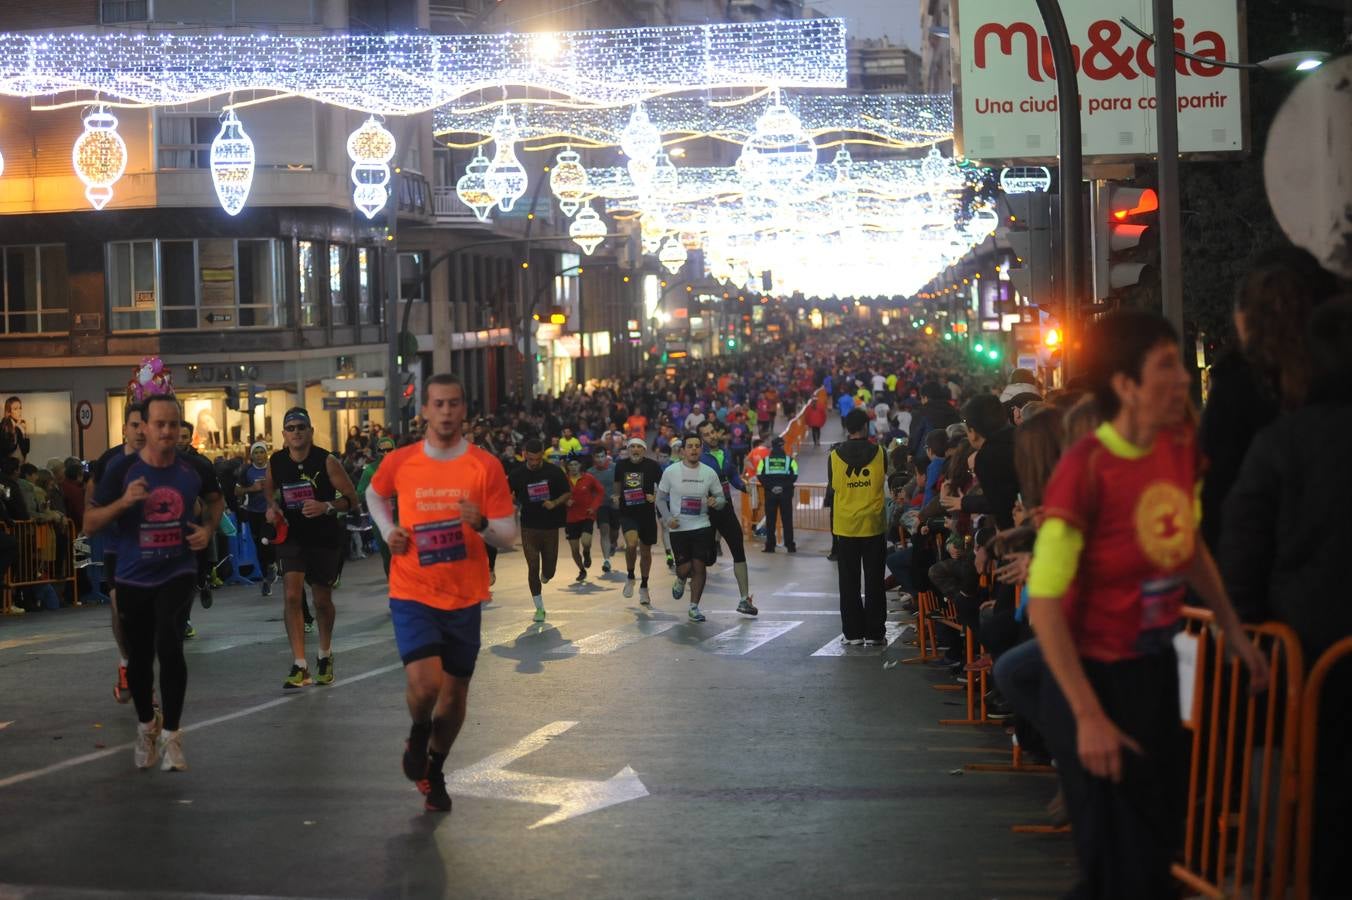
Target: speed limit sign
[[84, 414]]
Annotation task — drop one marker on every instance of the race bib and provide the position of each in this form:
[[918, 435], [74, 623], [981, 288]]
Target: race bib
[[692, 506], [634, 497], [1160, 602], [161, 540], [537, 492], [294, 495], [439, 542]]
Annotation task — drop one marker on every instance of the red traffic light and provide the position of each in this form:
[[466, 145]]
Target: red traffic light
[[1146, 201]]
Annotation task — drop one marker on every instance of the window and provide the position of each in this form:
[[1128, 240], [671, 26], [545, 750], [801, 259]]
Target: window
[[233, 12], [115, 11], [307, 275], [411, 277], [35, 294], [368, 300], [190, 285], [338, 304], [185, 140]]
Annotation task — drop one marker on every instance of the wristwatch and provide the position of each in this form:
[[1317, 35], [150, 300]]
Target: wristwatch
[[483, 524], [330, 509]]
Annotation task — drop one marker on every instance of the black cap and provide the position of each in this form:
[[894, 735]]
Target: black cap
[[777, 443]]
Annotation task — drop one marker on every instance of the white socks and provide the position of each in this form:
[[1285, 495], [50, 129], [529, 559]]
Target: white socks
[[300, 663]]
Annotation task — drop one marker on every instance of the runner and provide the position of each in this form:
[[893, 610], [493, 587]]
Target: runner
[[607, 517], [312, 484], [383, 446], [454, 501], [664, 462], [133, 440], [252, 482], [636, 480], [724, 518], [541, 490], [686, 493], [148, 498], [585, 497]]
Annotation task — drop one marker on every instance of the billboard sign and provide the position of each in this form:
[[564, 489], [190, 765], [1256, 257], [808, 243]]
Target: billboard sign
[[1006, 108]]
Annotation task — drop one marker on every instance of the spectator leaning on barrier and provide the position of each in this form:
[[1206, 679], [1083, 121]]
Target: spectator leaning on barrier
[[856, 475]]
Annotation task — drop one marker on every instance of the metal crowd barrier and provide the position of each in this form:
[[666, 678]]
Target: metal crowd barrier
[[1309, 758], [39, 558]]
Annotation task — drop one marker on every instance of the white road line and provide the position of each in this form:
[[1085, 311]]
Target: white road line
[[613, 639], [507, 634], [746, 636], [228, 717], [836, 648]]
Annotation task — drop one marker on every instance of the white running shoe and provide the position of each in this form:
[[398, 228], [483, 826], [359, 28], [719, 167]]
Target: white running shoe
[[628, 588], [146, 750], [644, 598], [852, 642], [171, 751]]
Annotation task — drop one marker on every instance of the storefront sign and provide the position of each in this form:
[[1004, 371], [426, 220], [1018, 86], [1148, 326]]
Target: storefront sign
[[332, 404], [1025, 180]]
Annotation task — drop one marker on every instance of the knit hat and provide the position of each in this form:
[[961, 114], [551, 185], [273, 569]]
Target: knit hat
[[257, 445]]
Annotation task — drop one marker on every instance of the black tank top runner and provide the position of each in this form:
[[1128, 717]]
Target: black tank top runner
[[297, 482]]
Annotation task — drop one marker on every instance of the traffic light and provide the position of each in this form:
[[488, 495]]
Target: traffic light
[[1026, 225], [732, 342], [231, 398], [408, 387], [1125, 246]]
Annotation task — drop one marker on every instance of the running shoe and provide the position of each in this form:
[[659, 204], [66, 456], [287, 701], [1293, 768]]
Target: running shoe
[[586, 559], [324, 670], [852, 642], [310, 627], [492, 578], [629, 587], [671, 562], [695, 614], [146, 750], [435, 798], [171, 752], [267, 587], [747, 608], [677, 589], [215, 581], [299, 678], [875, 642], [415, 754], [189, 631], [206, 598], [643, 597], [540, 614], [121, 690], [605, 566]]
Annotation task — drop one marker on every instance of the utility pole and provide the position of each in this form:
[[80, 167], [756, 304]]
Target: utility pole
[[1167, 181]]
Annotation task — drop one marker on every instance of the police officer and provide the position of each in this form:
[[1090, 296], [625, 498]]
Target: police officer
[[777, 474]]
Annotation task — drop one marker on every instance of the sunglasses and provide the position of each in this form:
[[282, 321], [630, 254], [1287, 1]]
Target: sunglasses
[[295, 427]]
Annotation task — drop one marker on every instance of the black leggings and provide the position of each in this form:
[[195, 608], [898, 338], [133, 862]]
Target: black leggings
[[266, 554], [153, 619], [725, 523]]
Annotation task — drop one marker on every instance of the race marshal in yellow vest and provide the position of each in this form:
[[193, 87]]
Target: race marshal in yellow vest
[[855, 480]]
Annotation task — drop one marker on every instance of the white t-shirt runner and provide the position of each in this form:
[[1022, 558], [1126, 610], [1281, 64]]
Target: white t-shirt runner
[[682, 494]]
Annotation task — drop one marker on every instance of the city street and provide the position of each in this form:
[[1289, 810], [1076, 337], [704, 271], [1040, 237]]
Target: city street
[[615, 752]]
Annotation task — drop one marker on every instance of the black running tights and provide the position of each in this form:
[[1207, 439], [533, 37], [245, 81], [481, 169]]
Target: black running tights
[[153, 619]]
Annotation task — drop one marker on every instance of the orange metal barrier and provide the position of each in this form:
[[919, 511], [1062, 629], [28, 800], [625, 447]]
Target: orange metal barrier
[[1242, 779], [1309, 749], [40, 558], [808, 511]]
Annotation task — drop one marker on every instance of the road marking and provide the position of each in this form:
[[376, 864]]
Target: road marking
[[490, 779], [835, 648], [507, 634], [613, 639], [13, 643], [746, 636], [75, 649], [228, 717]]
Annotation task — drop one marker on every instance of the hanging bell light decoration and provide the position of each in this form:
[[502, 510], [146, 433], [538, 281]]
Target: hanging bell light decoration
[[569, 182], [672, 256], [664, 176], [588, 229], [778, 154], [370, 147], [232, 164], [640, 140], [506, 177], [99, 156], [472, 188]]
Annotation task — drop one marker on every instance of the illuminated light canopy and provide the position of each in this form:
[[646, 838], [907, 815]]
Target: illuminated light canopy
[[672, 255], [232, 164], [402, 74], [506, 178], [99, 156], [569, 183], [472, 188], [588, 229], [370, 147]]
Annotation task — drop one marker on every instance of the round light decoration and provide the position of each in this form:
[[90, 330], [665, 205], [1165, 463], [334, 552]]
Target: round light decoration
[[779, 153], [99, 156], [370, 147], [672, 255], [568, 180], [506, 177], [640, 140], [588, 229], [472, 188], [232, 164]]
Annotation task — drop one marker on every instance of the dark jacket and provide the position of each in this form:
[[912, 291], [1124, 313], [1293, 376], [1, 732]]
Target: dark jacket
[[998, 479], [926, 418], [1286, 532], [1239, 405]]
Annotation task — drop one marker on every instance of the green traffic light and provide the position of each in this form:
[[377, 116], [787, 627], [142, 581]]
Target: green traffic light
[[994, 354], [948, 336], [979, 347], [732, 343]]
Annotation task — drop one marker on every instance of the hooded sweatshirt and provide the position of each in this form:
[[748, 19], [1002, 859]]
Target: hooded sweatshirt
[[856, 478]]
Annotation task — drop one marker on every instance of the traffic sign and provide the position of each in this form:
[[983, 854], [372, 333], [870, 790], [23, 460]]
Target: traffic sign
[[84, 414]]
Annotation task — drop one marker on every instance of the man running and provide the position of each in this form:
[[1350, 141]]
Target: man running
[[254, 506], [686, 493], [453, 503], [312, 485], [607, 519], [133, 440], [541, 490], [148, 498], [585, 497], [723, 518], [636, 480]]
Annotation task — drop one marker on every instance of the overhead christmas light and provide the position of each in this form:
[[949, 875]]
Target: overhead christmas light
[[99, 156], [672, 255], [640, 142], [472, 188], [506, 178], [651, 230], [664, 176], [370, 147], [232, 164], [778, 154], [588, 229], [568, 181]]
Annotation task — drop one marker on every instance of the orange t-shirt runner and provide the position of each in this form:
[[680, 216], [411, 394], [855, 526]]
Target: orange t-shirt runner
[[636, 426], [446, 565]]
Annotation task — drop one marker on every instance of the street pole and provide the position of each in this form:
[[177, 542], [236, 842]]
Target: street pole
[[1167, 180], [394, 412], [1071, 162]]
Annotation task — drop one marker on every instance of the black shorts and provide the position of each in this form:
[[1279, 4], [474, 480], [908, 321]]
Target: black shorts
[[321, 565], [574, 530], [608, 516], [644, 521], [697, 545], [422, 631]]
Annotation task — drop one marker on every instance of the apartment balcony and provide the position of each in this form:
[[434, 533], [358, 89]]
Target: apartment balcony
[[448, 210]]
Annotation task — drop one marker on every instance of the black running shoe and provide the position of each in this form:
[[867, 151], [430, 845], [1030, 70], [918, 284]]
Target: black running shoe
[[205, 598], [415, 755], [435, 798]]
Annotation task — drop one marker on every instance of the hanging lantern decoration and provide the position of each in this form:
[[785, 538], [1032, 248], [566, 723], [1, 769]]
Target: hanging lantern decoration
[[982, 223], [664, 176], [691, 241], [651, 230], [721, 269], [672, 255], [778, 154], [506, 177], [569, 182], [640, 140], [472, 188], [370, 147], [232, 164], [588, 229], [99, 156]]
